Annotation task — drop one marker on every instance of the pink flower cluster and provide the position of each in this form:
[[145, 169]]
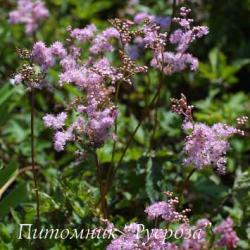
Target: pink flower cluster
[[166, 211], [94, 76], [135, 236], [62, 135], [30, 13], [229, 237], [17, 79], [207, 146], [101, 42], [130, 240], [43, 55], [56, 122], [152, 35], [198, 242], [96, 113], [180, 59], [83, 35]]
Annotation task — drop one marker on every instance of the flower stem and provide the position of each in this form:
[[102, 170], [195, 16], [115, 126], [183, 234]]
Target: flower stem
[[172, 17], [184, 184], [102, 191], [223, 201], [112, 172], [186, 180], [32, 117], [111, 168], [156, 121], [114, 144], [157, 101], [151, 104]]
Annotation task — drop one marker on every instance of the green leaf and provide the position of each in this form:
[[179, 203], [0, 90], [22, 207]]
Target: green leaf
[[241, 62], [213, 58], [5, 93], [86, 9], [4, 114], [48, 204], [13, 199], [149, 180], [7, 172]]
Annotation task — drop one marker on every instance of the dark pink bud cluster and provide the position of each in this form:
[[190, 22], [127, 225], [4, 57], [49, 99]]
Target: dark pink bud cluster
[[181, 107]]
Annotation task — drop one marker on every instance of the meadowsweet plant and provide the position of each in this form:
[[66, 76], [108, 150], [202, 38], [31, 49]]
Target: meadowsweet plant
[[182, 38], [32, 79], [99, 80], [205, 145], [30, 13], [102, 63], [228, 237], [166, 210], [186, 236]]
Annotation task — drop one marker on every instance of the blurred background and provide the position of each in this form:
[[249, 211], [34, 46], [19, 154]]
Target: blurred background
[[219, 90]]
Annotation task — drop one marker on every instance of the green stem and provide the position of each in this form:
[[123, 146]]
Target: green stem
[[157, 104], [172, 17], [111, 168], [156, 121], [223, 201], [32, 117], [102, 191], [185, 182], [114, 144], [184, 185], [148, 108]]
